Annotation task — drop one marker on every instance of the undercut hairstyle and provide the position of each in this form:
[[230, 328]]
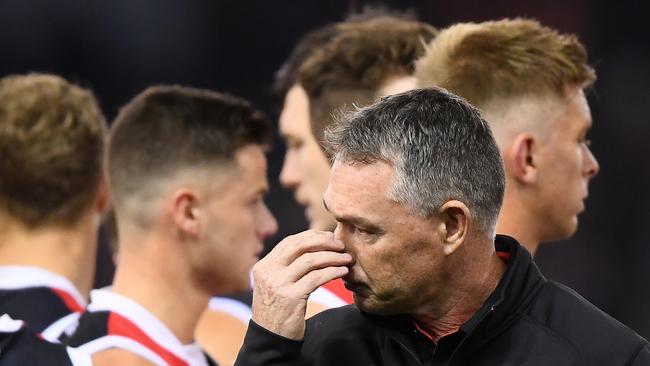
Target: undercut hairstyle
[[168, 129], [438, 144], [51, 145], [505, 59], [287, 74], [353, 66]]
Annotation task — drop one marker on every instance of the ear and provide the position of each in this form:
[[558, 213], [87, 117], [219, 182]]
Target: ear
[[186, 212], [519, 158], [455, 218]]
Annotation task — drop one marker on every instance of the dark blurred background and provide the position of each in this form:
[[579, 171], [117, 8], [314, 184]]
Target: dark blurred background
[[119, 47]]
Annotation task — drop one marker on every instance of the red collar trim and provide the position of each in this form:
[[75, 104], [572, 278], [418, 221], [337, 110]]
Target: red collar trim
[[432, 337], [69, 300], [337, 287], [121, 326], [504, 256]]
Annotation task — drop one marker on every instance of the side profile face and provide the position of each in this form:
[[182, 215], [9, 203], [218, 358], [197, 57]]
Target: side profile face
[[566, 165], [305, 169], [234, 221], [398, 257]]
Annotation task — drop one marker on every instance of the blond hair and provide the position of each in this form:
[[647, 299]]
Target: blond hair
[[504, 59], [51, 145]]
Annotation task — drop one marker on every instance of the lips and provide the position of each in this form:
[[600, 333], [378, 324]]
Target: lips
[[305, 203], [582, 204], [258, 252], [300, 198]]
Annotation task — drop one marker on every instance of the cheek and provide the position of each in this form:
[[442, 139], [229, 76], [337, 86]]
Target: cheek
[[378, 265], [245, 223], [235, 225], [569, 170], [571, 158]]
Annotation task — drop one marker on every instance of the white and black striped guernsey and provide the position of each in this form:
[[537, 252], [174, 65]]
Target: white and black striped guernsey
[[20, 345], [114, 321], [49, 303], [238, 306]]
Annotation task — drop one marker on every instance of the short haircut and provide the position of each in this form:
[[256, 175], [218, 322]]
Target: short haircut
[[356, 62], [168, 129], [439, 145], [504, 59], [287, 74], [51, 143]]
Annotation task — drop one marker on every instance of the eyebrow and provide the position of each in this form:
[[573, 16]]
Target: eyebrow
[[289, 136], [355, 220]]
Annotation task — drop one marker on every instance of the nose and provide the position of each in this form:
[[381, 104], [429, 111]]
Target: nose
[[268, 223], [339, 234], [591, 164], [289, 177]]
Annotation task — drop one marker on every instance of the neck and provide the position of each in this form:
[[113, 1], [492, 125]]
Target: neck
[[146, 274], [464, 300], [519, 221], [67, 251]]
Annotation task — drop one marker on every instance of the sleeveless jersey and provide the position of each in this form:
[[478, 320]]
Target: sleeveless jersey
[[115, 321], [49, 303], [20, 345]]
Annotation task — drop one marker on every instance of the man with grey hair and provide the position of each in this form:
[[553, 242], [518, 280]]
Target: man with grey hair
[[416, 187]]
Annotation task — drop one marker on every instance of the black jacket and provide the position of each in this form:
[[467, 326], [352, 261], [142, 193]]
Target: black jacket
[[527, 320]]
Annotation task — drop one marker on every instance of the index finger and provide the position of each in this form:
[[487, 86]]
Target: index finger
[[308, 241]]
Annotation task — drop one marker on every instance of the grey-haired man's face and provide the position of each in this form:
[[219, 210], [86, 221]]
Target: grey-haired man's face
[[397, 255]]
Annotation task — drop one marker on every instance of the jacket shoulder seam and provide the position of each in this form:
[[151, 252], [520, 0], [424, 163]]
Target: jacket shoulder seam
[[636, 354], [555, 334]]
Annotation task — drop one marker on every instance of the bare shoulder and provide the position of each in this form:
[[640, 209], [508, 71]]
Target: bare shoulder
[[116, 356]]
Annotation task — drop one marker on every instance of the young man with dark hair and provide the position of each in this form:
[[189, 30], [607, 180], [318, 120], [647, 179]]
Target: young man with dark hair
[[187, 171], [223, 325], [362, 61], [529, 81], [52, 194]]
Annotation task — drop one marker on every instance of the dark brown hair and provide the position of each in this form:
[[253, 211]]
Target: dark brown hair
[[168, 128], [287, 74], [357, 61]]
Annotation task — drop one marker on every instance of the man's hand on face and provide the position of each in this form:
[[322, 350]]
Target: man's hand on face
[[283, 279]]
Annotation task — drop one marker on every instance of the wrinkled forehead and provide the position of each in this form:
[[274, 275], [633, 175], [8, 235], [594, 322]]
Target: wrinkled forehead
[[361, 185]]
